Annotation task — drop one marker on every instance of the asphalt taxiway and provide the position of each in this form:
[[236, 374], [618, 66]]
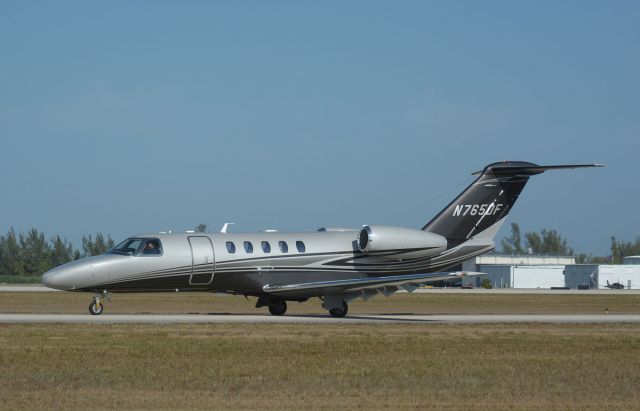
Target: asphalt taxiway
[[308, 319]]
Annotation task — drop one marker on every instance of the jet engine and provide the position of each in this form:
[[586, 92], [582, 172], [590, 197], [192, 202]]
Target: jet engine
[[399, 243]]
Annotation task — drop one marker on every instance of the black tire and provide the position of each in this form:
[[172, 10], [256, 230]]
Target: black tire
[[340, 312], [96, 309], [278, 307]]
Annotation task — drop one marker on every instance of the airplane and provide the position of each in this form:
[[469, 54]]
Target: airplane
[[338, 265], [615, 286]]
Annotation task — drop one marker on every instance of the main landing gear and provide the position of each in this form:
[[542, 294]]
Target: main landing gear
[[339, 312], [96, 307], [278, 307], [335, 304]]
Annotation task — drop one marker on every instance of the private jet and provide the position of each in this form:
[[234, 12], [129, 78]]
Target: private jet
[[615, 286], [338, 265]]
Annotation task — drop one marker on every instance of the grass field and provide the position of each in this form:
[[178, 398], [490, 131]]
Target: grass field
[[183, 303], [320, 367], [20, 279]]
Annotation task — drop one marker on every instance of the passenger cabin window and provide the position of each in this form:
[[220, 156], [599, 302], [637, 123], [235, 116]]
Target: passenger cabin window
[[248, 247], [266, 247], [283, 246], [300, 246], [231, 247]]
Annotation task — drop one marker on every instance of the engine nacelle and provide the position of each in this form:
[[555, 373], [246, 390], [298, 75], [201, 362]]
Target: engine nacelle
[[417, 243]]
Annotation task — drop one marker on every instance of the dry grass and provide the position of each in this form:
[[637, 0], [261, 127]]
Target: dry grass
[[320, 366], [61, 302]]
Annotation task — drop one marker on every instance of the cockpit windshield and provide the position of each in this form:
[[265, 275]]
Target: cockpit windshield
[[138, 246]]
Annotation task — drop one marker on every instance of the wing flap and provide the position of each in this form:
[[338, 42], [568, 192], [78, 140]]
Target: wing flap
[[385, 285]]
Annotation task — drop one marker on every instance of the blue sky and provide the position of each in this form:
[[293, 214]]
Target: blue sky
[[124, 117]]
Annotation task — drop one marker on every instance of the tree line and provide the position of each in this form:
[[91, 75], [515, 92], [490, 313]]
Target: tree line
[[549, 242], [31, 253]]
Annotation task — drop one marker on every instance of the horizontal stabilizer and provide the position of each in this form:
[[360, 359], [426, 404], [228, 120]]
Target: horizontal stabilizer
[[506, 168]]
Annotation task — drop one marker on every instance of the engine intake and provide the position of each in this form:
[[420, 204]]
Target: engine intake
[[402, 242]]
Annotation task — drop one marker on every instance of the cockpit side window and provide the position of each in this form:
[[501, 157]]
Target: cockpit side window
[[129, 246], [152, 247], [138, 246]]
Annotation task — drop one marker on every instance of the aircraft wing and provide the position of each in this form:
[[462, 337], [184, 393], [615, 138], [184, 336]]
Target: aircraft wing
[[365, 287]]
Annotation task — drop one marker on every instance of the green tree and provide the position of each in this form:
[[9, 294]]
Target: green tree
[[61, 251], [98, 246], [591, 259], [11, 258], [35, 252], [513, 243], [544, 242], [31, 254], [547, 242], [201, 228], [621, 249]]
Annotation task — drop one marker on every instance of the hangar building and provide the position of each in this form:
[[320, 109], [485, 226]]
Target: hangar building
[[599, 276], [535, 271], [518, 271]]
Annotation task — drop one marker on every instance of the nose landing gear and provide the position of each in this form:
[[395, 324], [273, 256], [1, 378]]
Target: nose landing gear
[[96, 307]]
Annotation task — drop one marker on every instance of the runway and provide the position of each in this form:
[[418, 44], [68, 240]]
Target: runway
[[308, 319], [41, 288], [25, 287]]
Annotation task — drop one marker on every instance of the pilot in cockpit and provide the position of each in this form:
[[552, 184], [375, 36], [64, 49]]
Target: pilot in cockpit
[[151, 247]]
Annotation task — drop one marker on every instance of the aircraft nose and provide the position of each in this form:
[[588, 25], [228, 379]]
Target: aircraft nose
[[55, 279], [63, 277]]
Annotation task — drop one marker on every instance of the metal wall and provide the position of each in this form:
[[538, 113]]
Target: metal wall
[[516, 276], [498, 275], [541, 276]]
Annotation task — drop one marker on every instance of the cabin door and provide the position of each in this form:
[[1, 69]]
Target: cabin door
[[202, 261]]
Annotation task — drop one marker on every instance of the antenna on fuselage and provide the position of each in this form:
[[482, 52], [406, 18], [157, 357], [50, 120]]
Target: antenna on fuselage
[[224, 227]]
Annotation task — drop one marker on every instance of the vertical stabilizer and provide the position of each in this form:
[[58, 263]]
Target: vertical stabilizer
[[487, 200]]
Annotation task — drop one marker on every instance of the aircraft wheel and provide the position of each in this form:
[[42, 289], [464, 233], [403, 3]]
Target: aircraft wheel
[[278, 307], [339, 312], [96, 308]]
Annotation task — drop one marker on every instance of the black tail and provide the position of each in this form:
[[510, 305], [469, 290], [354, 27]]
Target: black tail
[[487, 200]]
